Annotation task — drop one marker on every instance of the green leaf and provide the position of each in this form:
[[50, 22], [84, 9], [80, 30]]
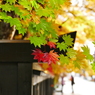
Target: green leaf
[[62, 46], [76, 63], [86, 51], [41, 1], [4, 16], [22, 31], [14, 21], [93, 65], [93, 43], [53, 40], [11, 1], [16, 10], [64, 59], [71, 53], [32, 27], [25, 4], [21, 13], [68, 40], [22, 16], [53, 33], [38, 41], [90, 57], [34, 4], [44, 25], [56, 3], [6, 7], [44, 12]]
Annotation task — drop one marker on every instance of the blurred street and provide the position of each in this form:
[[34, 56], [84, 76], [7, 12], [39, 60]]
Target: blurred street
[[81, 87]]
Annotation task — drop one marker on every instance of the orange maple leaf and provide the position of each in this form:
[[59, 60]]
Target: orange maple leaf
[[51, 44], [51, 57]]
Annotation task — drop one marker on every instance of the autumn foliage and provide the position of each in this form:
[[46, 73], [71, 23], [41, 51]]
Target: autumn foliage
[[39, 18], [51, 57]]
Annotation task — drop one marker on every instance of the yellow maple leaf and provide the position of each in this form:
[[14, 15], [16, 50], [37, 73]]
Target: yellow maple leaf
[[45, 66], [35, 18]]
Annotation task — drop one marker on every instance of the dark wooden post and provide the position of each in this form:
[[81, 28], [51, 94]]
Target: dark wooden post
[[15, 67], [24, 78]]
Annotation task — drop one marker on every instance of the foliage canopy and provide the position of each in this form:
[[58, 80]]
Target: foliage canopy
[[38, 18]]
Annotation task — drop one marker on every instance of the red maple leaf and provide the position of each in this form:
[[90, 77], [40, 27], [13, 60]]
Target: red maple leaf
[[51, 57], [38, 54], [50, 69], [51, 44]]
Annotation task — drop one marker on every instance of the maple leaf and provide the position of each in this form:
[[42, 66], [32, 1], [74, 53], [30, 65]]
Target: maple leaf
[[50, 69], [44, 25], [80, 60], [32, 28], [11, 1], [93, 43], [64, 59], [80, 55], [19, 11], [22, 31], [86, 51], [38, 41], [38, 54], [14, 21], [51, 44], [93, 65], [56, 69], [44, 12], [53, 40], [90, 57], [62, 46], [6, 7], [52, 32], [25, 4], [68, 40], [71, 53], [76, 63], [51, 57], [56, 3], [44, 65], [16, 9], [34, 4], [4, 16]]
